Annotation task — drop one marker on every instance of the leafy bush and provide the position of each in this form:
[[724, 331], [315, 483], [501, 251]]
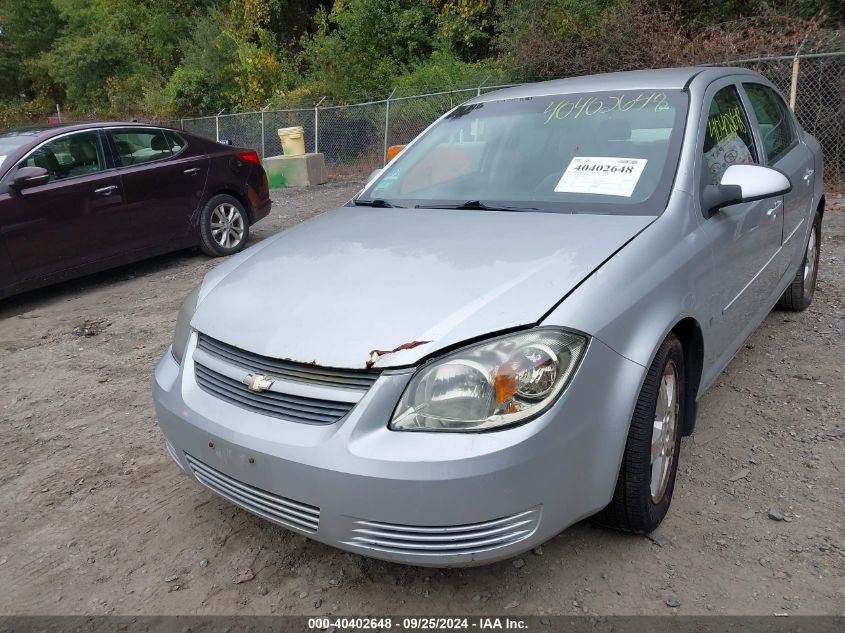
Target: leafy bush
[[193, 90], [115, 57], [22, 112]]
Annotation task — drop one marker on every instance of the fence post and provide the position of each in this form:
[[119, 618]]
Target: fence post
[[262, 133], [317, 125], [486, 79], [793, 88], [387, 125], [217, 125], [796, 62], [182, 124]]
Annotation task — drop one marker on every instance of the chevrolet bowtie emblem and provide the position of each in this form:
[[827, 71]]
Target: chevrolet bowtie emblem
[[257, 382]]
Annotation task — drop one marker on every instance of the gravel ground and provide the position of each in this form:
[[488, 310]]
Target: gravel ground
[[96, 519]]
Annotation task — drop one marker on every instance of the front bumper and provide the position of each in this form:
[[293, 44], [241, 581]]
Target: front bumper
[[437, 499]]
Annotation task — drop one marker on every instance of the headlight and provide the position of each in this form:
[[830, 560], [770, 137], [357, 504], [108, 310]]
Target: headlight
[[183, 325], [491, 385]]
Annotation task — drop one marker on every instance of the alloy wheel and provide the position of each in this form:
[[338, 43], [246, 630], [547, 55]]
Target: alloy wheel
[[227, 225]]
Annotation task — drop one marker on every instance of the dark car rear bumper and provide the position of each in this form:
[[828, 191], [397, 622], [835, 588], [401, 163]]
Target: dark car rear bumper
[[261, 211]]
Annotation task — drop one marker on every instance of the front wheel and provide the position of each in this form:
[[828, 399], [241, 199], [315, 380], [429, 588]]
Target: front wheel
[[647, 475], [799, 295], [224, 226]]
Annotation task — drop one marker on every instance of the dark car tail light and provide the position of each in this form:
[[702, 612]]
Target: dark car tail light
[[249, 157]]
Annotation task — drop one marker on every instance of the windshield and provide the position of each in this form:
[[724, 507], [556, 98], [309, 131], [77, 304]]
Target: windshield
[[599, 152]]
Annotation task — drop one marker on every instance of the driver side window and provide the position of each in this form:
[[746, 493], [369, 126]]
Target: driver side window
[[68, 156], [728, 139]]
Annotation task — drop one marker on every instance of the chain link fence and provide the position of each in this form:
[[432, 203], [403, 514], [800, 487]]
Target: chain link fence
[[354, 138]]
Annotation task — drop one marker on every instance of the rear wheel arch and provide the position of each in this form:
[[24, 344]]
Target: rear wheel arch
[[237, 195], [820, 207]]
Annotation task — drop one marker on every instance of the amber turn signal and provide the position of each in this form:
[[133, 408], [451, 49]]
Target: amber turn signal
[[504, 382]]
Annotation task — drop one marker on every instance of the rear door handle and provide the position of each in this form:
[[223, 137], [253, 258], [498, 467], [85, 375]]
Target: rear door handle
[[193, 171], [106, 191]]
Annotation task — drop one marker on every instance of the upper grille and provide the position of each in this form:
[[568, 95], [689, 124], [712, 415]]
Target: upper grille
[[279, 405], [265, 504], [360, 379], [454, 540]]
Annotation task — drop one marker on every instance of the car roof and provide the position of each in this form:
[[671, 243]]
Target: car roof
[[653, 79], [45, 131]]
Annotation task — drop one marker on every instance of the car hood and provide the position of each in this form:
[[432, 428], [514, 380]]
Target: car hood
[[354, 280]]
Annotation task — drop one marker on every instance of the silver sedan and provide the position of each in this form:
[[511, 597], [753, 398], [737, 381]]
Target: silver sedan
[[508, 329]]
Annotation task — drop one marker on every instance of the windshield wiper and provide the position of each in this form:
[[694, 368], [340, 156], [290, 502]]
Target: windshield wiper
[[376, 202], [474, 205]]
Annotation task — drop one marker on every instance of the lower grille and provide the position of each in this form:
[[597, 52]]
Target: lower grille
[[449, 541], [285, 512], [279, 405]]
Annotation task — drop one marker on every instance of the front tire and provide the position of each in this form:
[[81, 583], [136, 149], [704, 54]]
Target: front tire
[[799, 295], [646, 478], [224, 226]]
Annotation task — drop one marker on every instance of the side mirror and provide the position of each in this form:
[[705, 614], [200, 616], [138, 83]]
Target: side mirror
[[743, 183], [27, 177]]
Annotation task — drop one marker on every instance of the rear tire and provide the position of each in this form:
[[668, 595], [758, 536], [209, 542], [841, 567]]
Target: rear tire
[[224, 226], [646, 478], [799, 295]]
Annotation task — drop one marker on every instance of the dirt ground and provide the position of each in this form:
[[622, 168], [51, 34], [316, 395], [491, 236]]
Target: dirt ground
[[96, 519]]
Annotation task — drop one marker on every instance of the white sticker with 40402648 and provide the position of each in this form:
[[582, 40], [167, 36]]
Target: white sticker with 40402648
[[602, 175]]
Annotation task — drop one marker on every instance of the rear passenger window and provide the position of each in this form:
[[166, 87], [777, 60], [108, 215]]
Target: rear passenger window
[[774, 120], [140, 146], [728, 140], [68, 156]]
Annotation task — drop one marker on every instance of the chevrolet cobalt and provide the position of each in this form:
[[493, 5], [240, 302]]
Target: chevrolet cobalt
[[508, 329]]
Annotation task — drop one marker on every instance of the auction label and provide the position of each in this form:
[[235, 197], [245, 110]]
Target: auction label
[[418, 623], [605, 176]]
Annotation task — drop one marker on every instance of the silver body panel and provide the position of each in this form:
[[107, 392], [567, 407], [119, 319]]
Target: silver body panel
[[357, 279]]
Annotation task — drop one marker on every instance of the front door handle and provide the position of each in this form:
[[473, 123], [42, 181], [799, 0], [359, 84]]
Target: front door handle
[[193, 171], [808, 174], [771, 212], [105, 191]]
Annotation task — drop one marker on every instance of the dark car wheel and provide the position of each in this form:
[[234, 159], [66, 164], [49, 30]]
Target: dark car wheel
[[224, 226], [799, 294], [647, 474]]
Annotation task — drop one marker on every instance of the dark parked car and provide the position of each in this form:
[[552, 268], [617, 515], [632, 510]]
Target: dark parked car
[[80, 198]]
